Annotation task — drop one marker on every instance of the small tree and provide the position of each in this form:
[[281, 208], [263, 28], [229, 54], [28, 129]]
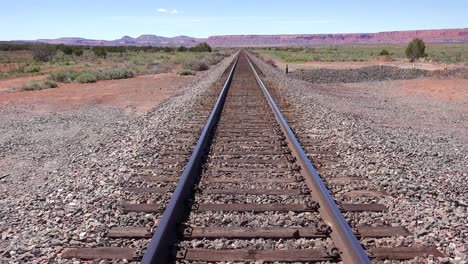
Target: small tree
[[78, 51], [202, 47], [67, 50], [100, 52], [181, 49], [43, 52], [416, 49], [384, 52]]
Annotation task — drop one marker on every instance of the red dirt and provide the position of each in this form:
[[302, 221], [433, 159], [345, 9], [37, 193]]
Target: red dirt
[[140, 93], [17, 82], [444, 90], [6, 67]]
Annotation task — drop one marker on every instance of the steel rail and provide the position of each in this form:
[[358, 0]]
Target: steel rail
[[159, 249], [342, 234]]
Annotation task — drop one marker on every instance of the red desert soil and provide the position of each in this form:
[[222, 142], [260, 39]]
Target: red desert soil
[[141, 93], [445, 90], [7, 84]]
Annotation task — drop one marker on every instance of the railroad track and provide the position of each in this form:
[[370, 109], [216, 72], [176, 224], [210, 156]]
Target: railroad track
[[248, 192]]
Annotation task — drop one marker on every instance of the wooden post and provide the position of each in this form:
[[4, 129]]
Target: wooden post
[[286, 69]]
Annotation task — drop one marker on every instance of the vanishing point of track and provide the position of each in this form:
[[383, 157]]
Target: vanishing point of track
[[247, 167]]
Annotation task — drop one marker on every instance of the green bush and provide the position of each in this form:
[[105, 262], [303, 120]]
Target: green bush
[[384, 52], [186, 72], [416, 49], [35, 85], [31, 85], [87, 77], [63, 76], [3, 75], [90, 76], [196, 65], [117, 74], [33, 68]]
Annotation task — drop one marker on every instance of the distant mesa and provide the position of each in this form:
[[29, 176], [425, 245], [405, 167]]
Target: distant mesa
[[392, 37]]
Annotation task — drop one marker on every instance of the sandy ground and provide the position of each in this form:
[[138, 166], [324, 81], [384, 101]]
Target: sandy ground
[[455, 90], [445, 90], [139, 93], [14, 84]]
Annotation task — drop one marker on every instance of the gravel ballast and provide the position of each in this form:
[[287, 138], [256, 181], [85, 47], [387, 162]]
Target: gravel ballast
[[413, 148], [66, 171], [369, 73]]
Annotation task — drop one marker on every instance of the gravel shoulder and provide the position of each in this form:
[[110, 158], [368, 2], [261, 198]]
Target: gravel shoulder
[[414, 147], [63, 169]]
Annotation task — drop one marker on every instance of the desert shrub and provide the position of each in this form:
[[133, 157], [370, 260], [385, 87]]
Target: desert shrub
[[186, 72], [31, 85], [213, 58], [87, 77], [196, 65], [32, 68], [49, 84], [156, 69], [117, 74], [3, 75], [384, 52], [90, 76], [63, 76], [43, 52], [35, 85], [416, 49]]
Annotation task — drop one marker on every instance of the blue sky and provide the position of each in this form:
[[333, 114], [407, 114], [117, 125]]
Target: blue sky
[[112, 19]]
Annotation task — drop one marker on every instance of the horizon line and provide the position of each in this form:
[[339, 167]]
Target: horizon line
[[255, 34]]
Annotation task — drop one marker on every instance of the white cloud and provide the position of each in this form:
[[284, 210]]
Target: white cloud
[[174, 12], [162, 10]]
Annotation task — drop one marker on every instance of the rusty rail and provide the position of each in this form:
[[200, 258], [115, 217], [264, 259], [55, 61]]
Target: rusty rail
[[342, 234], [159, 249]]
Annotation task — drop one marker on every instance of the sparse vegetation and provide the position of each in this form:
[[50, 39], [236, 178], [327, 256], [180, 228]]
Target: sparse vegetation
[[65, 63], [196, 65], [36, 85], [186, 72], [449, 53], [87, 77], [90, 76], [63, 76], [116, 74], [416, 49]]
